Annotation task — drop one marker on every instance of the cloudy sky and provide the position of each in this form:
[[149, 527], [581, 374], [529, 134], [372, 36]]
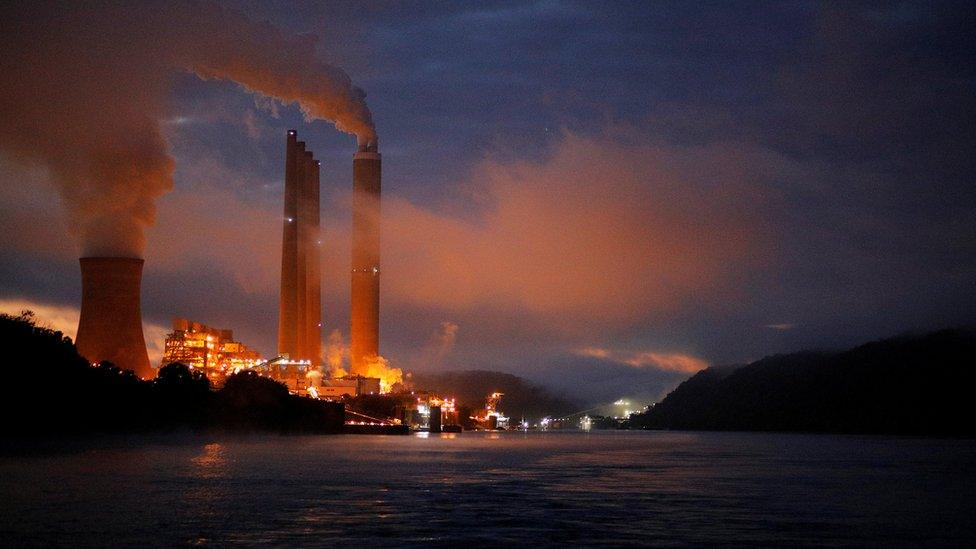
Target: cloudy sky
[[605, 197]]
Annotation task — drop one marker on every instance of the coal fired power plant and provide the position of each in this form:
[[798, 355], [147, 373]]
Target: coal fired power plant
[[110, 326], [365, 300], [300, 305]]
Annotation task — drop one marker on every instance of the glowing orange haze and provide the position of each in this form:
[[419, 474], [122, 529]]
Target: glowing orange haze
[[598, 233], [593, 237], [674, 362], [589, 239]]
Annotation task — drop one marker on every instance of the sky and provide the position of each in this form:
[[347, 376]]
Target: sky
[[601, 197]]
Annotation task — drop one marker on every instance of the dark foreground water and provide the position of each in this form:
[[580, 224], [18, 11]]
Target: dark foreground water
[[612, 488]]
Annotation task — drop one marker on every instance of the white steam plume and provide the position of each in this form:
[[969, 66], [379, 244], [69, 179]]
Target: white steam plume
[[84, 88]]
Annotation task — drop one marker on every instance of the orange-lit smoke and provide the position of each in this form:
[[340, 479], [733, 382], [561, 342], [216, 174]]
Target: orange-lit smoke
[[440, 345], [335, 353], [84, 89], [313, 377], [380, 367]]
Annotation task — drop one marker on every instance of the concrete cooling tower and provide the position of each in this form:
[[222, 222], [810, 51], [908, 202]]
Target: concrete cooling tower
[[110, 327]]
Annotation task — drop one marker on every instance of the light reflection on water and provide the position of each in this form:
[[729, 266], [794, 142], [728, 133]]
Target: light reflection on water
[[211, 461], [550, 488]]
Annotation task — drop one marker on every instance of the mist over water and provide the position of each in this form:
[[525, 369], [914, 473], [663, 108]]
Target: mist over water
[[552, 488]]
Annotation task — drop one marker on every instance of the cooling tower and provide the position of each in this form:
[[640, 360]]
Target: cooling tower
[[110, 327], [365, 314]]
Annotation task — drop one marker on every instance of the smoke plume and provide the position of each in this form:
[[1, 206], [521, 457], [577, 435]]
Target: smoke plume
[[84, 89], [335, 352], [389, 376], [441, 344]]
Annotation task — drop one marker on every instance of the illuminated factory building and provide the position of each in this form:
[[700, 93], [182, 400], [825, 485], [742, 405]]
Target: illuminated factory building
[[210, 350], [348, 386], [300, 305]]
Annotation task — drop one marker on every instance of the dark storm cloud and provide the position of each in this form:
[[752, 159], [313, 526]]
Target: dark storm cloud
[[847, 128]]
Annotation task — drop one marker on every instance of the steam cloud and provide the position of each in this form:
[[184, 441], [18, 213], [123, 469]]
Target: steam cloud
[[84, 90], [335, 353], [441, 343]]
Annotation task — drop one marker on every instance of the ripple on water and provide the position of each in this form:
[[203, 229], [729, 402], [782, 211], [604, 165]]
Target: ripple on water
[[549, 488]]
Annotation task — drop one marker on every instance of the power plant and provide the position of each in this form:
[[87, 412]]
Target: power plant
[[110, 327], [300, 305], [364, 323]]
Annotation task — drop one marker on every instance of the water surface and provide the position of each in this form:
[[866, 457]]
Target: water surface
[[612, 488]]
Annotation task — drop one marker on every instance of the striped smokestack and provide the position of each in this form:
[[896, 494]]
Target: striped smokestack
[[110, 327], [365, 314]]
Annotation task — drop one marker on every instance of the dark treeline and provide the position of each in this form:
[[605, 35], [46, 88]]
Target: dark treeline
[[46, 387], [912, 385]]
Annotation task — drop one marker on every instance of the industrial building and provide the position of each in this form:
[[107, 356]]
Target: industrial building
[[304, 379], [364, 325], [110, 326], [298, 375], [210, 350], [348, 386], [300, 302], [431, 413]]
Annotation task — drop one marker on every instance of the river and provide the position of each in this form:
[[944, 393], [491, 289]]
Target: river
[[556, 488]]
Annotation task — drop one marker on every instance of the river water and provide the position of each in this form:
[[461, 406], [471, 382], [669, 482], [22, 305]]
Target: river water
[[557, 488]]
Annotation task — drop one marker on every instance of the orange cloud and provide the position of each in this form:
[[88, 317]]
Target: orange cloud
[[670, 361], [594, 352], [597, 232], [674, 362]]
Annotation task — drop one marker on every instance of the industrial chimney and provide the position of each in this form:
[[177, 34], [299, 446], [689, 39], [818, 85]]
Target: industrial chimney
[[110, 327], [364, 337], [300, 303]]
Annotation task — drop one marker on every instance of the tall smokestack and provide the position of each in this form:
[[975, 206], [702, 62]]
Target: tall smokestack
[[299, 311], [301, 223], [288, 304], [110, 327], [365, 315], [314, 290]]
